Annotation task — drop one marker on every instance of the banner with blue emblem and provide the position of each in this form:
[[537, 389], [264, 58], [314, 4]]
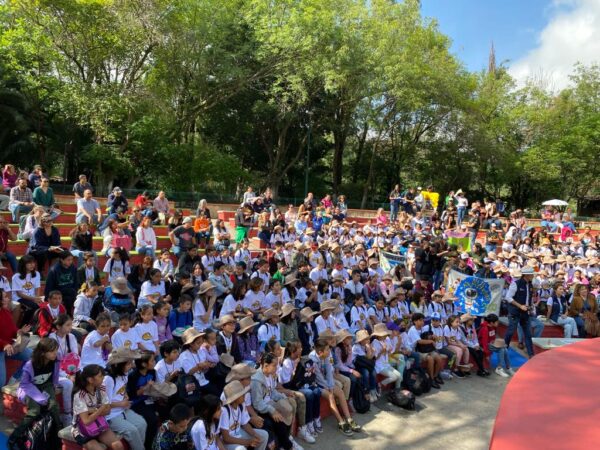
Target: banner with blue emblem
[[478, 296]]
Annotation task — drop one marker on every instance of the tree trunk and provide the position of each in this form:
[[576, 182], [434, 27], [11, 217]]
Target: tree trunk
[[338, 153], [359, 151], [368, 182]]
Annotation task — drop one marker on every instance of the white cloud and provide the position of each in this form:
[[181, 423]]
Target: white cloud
[[572, 35]]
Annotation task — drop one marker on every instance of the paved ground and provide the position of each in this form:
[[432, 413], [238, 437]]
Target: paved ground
[[460, 415]]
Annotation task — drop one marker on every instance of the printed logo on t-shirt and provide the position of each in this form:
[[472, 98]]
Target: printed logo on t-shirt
[[146, 336], [127, 344], [28, 285], [121, 391]]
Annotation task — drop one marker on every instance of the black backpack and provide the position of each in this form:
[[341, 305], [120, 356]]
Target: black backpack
[[40, 434], [404, 399], [359, 400], [416, 381], [188, 389]]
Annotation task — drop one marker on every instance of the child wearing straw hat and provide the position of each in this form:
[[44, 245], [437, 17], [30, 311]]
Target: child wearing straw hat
[[227, 341], [270, 330], [204, 306], [191, 359], [381, 351], [289, 324], [325, 321], [235, 425], [122, 419], [248, 341], [363, 351], [307, 331]]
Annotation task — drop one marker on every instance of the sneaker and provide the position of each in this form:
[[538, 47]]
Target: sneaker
[[458, 374], [345, 428], [500, 371], [311, 429], [295, 445], [438, 380], [511, 371], [318, 426], [435, 385], [353, 425], [486, 372], [373, 395], [306, 435], [480, 373]]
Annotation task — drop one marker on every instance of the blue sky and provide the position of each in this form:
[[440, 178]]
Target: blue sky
[[517, 27]]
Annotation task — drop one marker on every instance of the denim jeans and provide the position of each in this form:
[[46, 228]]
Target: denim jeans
[[393, 212], [503, 359], [490, 247], [17, 210], [461, 210], [146, 251], [24, 356], [569, 326], [12, 260], [536, 325], [313, 403], [78, 254], [516, 318], [80, 218]]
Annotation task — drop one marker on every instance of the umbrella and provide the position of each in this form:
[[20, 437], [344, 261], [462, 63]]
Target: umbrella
[[555, 202]]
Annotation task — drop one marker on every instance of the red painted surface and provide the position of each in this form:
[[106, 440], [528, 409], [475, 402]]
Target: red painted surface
[[553, 402]]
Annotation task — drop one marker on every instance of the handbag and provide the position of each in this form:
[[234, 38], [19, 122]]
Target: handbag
[[95, 428], [121, 241], [21, 343]]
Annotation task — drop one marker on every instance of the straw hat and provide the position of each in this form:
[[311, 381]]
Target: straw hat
[[190, 335], [270, 313], [327, 305], [361, 335], [287, 309], [205, 287], [548, 260], [289, 279], [239, 372], [299, 245], [561, 258], [227, 318], [380, 330], [123, 354], [306, 313], [326, 334], [515, 273], [160, 390], [246, 323], [119, 286], [341, 335], [466, 317], [386, 276], [233, 391], [227, 360]]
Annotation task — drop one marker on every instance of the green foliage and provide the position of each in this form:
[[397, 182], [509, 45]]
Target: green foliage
[[205, 95]]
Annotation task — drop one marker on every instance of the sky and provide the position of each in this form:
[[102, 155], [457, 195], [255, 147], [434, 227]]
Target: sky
[[539, 39]]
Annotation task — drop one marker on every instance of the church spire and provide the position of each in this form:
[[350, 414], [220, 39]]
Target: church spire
[[492, 61]]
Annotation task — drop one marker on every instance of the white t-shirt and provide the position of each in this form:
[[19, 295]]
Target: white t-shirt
[[450, 332], [198, 311], [231, 305], [412, 337], [28, 286], [91, 354], [378, 314], [164, 370], [267, 331], [148, 289], [379, 349], [273, 301], [323, 324], [358, 317], [263, 276], [438, 332], [64, 346], [233, 419], [198, 433], [189, 360], [116, 390], [129, 339], [254, 300], [147, 335], [118, 269]]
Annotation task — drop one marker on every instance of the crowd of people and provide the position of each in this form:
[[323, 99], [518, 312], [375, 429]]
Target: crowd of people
[[228, 347]]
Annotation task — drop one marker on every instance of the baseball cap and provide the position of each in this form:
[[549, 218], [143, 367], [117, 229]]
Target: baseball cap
[[187, 220], [436, 316]]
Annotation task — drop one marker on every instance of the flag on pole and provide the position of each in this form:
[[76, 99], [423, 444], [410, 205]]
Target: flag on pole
[[460, 239]]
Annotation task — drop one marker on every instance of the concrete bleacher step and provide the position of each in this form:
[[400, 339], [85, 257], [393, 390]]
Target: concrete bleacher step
[[68, 441], [14, 410], [65, 228]]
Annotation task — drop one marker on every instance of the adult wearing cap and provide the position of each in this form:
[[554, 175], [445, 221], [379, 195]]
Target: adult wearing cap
[[183, 237], [234, 424], [115, 200], [122, 419], [485, 269], [463, 266], [520, 301]]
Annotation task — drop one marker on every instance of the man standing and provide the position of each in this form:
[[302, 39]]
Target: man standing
[[520, 299], [21, 199], [424, 266], [394, 203]]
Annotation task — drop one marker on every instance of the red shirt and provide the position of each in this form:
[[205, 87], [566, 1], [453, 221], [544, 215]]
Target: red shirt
[[46, 319], [8, 328], [486, 335]]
